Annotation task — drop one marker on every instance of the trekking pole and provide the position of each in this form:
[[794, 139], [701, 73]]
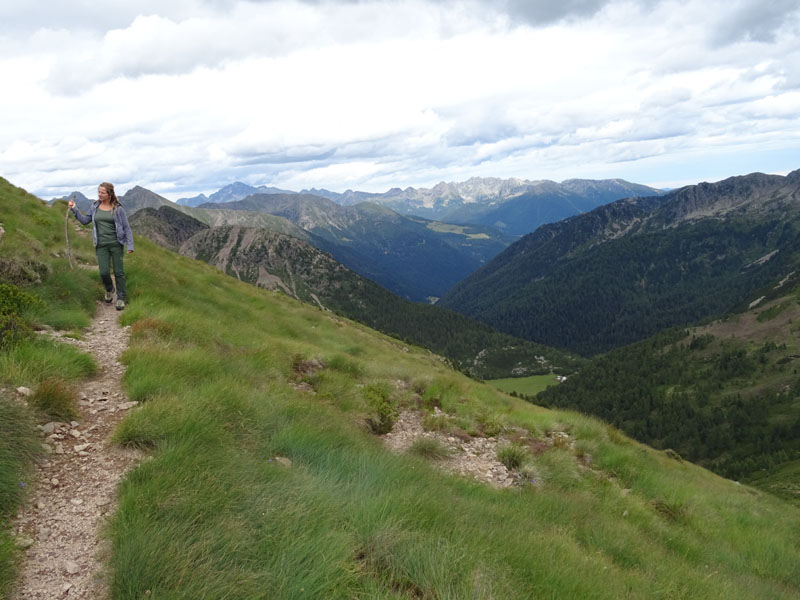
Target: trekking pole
[[66, 235]]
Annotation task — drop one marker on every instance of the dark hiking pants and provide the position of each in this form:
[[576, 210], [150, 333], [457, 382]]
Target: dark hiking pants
[[108, 255]]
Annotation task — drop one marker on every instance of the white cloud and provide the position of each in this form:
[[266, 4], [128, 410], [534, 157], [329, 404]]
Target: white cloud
[[377, 94]]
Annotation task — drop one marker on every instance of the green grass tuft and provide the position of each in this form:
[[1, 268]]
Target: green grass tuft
[[19, 445], [56, 399], [430, 448], [513, 456]]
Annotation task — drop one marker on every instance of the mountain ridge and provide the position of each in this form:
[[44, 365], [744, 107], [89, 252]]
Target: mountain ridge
[[664, 260], [501, 203], [412, 257]]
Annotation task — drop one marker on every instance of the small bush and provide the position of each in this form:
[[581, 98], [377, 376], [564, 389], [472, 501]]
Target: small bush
[[513, 456], [430, 448], [56, 399], [384, 413], [13, 329], [14, 302], [490, 425]]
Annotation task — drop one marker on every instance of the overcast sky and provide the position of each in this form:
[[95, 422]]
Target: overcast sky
[[185, 96]]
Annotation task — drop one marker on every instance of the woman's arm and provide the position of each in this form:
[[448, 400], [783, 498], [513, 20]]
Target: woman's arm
[[83, 219]]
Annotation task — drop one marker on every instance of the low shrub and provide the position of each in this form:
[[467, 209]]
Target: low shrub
[[384, 412], [489, 425], [13, 303]]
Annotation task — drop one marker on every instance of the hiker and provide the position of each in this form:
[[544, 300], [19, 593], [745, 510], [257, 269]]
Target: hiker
[[110, 232]]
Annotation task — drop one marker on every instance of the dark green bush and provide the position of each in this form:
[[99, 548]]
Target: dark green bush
[[384, 412], [14, 302]]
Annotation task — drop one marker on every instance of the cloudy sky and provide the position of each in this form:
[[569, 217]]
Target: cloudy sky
[[185, 96]]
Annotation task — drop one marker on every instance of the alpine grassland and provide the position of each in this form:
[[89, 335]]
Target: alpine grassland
[[18, 448], [265, 477], [37, 290]]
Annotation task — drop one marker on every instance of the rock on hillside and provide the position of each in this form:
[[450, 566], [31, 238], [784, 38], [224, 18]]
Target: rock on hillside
[[138, 198], [82, 202], [267, 259], [165, 226]]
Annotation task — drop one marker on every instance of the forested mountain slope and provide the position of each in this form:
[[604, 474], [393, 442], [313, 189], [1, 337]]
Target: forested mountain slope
[[631, 268], [725, 395], [410, 256]]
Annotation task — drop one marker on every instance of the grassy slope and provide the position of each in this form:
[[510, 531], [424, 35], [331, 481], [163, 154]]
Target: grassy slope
[[216, 362], [32, 248]]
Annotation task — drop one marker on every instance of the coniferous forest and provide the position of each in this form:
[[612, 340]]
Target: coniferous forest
[[723, 402]]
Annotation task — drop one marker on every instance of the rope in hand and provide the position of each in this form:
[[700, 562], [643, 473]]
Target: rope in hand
[[66, 235]]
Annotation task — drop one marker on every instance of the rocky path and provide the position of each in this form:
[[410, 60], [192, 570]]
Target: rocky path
[[77, 481]]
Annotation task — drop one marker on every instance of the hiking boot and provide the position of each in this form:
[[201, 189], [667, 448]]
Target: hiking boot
[[120, 303], [109, 297]]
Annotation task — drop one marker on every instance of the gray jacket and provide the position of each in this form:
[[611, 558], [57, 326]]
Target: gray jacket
[[124, 233]]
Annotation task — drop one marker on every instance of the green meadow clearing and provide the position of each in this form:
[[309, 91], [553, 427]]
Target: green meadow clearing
[[526, 386]]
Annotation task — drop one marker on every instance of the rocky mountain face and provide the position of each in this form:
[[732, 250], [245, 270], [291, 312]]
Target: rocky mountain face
[[81, 202], [633, 267], [138, 198], [412, 257], [165, 226], [514, 206], [267, 259], [231, 193]]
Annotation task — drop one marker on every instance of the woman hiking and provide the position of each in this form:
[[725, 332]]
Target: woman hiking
[[110, 233]]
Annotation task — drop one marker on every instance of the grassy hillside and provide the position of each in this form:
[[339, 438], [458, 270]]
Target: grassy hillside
[[235, 380], [279, 262]]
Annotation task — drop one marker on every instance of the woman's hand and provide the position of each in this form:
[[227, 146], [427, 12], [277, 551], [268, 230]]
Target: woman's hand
[[71, 203]]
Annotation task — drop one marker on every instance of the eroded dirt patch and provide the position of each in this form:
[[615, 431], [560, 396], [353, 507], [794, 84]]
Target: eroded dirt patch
[[473, 457]]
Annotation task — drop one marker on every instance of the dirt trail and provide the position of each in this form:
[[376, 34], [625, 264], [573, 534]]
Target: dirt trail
[[77, 481]]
